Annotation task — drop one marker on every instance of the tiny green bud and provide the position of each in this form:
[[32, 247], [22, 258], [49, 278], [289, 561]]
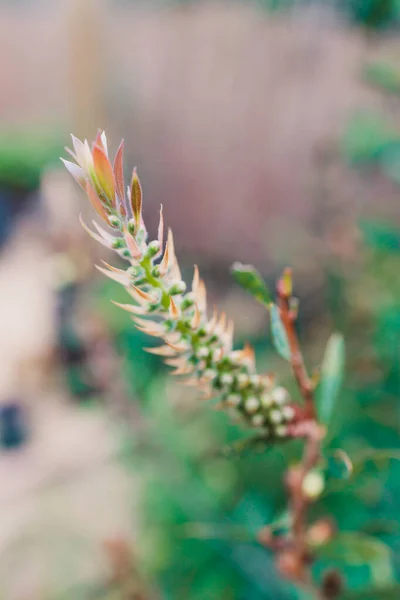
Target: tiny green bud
[[118, 243], [153, 248], [131, 226], [126, 253], [187, 302], [202, 332], [169, 325], [115, 222], [155, 271], [178, 288]]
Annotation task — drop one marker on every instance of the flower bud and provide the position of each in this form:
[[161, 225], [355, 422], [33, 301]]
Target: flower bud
[[313, 485], [118, 243], [153, 248], [209, 374], [275, 416], [155, 271], [258, 420], [252, 405], [281, 431], [115, 222], [242, 380], [178, 288], [187, 302], [266, 400], [203, 352], [288, 413], [280, 395], [131, 226], [233, 400], [226, 379]]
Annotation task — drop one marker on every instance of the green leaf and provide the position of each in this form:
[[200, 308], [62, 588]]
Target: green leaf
[[250, 279], [338, 464], [386, 593], [278, 332], [380, 458], [355, 549], [331, 377]]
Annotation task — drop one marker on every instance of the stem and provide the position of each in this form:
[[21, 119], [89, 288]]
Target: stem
[[310, 429], [299, 369]]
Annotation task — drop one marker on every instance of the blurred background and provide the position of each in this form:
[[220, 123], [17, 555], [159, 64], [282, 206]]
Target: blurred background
[[270, 131]]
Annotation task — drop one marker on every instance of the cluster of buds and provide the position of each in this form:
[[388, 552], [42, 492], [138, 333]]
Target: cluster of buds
[[198, 347]]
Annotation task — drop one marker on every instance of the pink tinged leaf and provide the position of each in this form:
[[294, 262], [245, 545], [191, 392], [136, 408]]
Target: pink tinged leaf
[[96, 202], [179, 361], [147, 323], [104, 234], [228, 336], [161, 351], [101, 141], [72, 154], [248, 353], [195, 322], [140, 295], [131, 308], [173, 309], [120, 272], [202, 296], [152, 332], [178, 347], [76, 171], [192, 382], [196, 279], [114, 276], [136, 199], [93, 234], [132, 245], [80, 151], [119, 177], [160, 235], [104, 173], [221, 324], [149, 327], [213, 321], [173, 263], [183, 370], [173, 338], [163, 266]]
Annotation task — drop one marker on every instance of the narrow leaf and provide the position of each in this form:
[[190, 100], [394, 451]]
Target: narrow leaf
[[278, 332], [104, 173], [331, 377], [136, 198], [119, 177], [250, 279]]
